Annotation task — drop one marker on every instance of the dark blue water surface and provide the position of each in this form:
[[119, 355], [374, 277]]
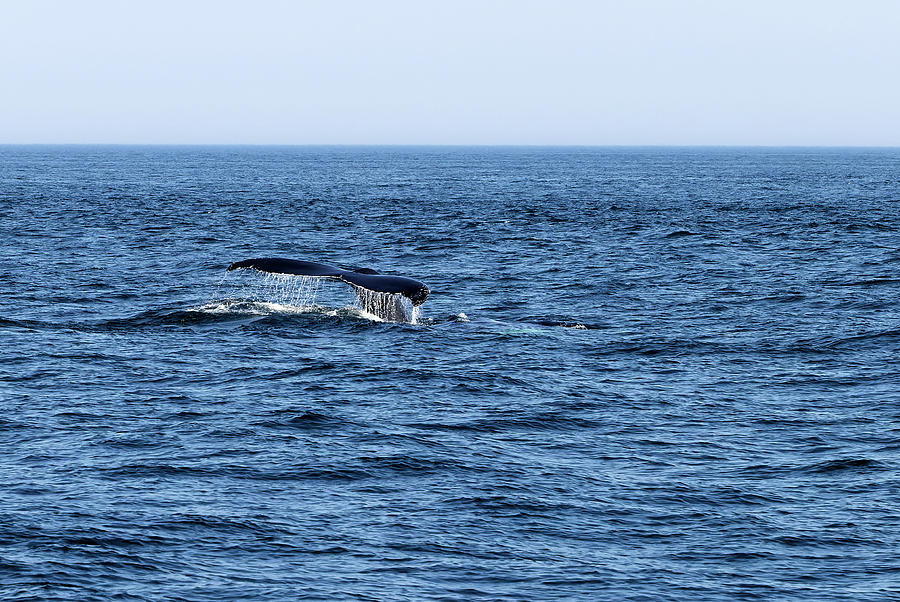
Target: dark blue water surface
[[643, 374]]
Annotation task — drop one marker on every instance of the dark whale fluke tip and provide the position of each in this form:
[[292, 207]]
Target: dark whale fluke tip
[[362, 278]]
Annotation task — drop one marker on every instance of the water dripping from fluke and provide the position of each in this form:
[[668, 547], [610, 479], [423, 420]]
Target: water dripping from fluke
[[276, 285], [387, 307]]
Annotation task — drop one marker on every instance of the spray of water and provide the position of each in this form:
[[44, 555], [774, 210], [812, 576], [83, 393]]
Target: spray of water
[[298, 291], [385, 306], [283, 292], [271, 289]]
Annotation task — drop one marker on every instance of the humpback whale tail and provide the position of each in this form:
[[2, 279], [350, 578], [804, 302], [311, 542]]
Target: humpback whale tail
[[378, 294]]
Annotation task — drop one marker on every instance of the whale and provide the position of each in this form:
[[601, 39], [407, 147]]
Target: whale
[[378, 293]]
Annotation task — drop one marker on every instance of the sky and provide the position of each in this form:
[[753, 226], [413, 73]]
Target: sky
[[556, 72]]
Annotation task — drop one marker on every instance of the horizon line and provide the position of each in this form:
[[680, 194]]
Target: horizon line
[[445, 145]]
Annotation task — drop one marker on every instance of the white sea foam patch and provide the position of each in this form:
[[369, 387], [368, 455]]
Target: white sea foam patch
[[243, 306], [227, 307]]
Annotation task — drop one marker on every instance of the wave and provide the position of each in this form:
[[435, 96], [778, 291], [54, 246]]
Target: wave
[[866, 282], [25, 324], [562, 323], [839, 465], [243, 310], [221, 312], [877, 281], [680, 234], [548, 421], [152, 471], [242, 307], [307, 421], [847, 464], [833, 344]]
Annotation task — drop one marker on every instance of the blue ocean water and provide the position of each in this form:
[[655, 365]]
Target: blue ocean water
[[642, 374]]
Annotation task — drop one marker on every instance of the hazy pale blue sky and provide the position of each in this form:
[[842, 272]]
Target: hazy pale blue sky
[[553, 72]]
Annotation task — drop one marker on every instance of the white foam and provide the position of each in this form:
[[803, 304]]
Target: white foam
[[243, 306]]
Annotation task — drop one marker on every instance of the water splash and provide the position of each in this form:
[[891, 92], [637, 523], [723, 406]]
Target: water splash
[[291, 293], [274, 289], [385, 307], [240, 306]]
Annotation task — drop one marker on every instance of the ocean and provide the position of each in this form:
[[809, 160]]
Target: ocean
[[642, 374]]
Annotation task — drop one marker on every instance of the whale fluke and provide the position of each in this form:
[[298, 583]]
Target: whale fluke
[[366, 279], [277, 265]]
